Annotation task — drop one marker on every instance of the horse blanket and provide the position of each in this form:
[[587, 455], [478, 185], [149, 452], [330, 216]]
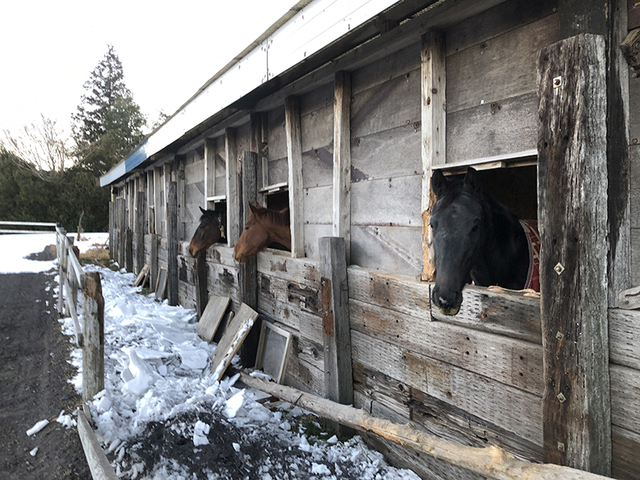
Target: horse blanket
[[533, 239]]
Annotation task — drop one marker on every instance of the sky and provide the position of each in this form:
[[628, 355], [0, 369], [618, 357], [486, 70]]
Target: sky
[[168, 50]]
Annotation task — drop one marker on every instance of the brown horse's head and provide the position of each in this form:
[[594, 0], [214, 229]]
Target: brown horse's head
[[208, 232], [263, 228]]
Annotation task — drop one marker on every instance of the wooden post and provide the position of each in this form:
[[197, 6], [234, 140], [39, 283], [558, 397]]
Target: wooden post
[[231, 179], [572, 215], [172, 237], [209, 168], [259, 140], [202, 291], [141, 210], [154, 260], [93, 349], [128, 258], [248, 271], [434, 126], [112, 226], [121, 243], [338, 375], [342, 160], [62, 252], [294, 156]]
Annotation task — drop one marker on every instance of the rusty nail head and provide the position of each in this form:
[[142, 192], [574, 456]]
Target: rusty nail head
[[559, 268], [561, 446], [557, 82], [559, 336], [561, 397]]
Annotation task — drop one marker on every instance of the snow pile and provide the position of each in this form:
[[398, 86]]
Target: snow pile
[[161, 415]]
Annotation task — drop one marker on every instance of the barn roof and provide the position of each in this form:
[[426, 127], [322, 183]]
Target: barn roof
[[308, 28]]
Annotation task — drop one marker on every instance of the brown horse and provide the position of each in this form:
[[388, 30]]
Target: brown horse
[[263, 228], [208, 232]]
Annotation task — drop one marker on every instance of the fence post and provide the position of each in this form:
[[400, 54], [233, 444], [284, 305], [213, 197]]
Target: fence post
[[62, 253], [93, 350], [338, 374]]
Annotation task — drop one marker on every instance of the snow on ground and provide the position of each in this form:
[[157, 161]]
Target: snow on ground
[[158, 386]]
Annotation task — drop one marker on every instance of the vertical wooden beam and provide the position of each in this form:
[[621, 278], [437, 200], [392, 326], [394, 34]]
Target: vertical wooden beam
[[154, 260], [180, 181], [294, 155], [158, 200], [434, 129], [248, 271], [202, 283], [232, 190], [140, 230], [209, 169], [259, 143], [338, 375], [123, 227], [342, 160], [112, 226], [172, 239], [128, 246], [572, 215], [93, 347]]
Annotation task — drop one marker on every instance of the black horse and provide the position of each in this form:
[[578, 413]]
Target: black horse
[[475, 238]]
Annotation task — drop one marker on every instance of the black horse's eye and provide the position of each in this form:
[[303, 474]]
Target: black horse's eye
[[433, 224]]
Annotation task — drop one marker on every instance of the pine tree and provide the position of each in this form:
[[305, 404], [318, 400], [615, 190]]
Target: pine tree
[[108, 122]]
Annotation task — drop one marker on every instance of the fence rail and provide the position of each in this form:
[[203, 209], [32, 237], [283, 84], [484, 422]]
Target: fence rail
[[43, 225]]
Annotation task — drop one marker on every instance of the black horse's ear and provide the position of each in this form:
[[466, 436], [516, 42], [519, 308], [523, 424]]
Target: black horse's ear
[[204, 212], [439, 183], [471, 182]]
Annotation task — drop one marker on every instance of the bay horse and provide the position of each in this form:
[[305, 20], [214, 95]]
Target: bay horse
[[477, 239], [263, 227], [209, 231]]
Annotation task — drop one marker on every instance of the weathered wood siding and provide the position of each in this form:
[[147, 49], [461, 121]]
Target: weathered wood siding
[[491, 79], [634, 154]]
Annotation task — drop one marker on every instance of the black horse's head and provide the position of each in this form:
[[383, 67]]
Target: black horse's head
[[456, 223], [209, 231]]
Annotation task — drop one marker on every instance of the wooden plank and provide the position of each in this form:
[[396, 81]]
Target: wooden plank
[[573, 259], [154, 260], [128, 249], [624, 338], [498, 68], [504, 406], [161, 284], [93, 338], [626, 461], [247, 271], [232, 187], [202, 283], [625, 397], [99, 465], [172, 236], [233, 336], [391, 249], [209, 168], [142, 276], [294, 155], [507, 360], [141, 210], [335, 320], [388, 398], [342, 160], [212, 316], [496, 128], [273, 351], [434, 140]]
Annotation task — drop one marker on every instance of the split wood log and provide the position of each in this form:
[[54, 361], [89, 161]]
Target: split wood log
[[493, 461]]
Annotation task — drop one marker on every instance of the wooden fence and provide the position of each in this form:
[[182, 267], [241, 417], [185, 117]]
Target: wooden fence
[[14, 227], [89, 336]]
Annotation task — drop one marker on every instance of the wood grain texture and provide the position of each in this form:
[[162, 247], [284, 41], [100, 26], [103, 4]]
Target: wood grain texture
[[434, 139], [572, 214], [93, 337], [342, 160], [294, 154]]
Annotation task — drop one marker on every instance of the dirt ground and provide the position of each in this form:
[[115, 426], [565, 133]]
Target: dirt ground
[[34, 370]]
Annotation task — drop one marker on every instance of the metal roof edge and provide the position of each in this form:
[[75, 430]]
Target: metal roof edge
[[252, 61]]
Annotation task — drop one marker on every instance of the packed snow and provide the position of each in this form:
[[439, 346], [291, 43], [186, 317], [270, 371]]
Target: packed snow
[[158, 385]]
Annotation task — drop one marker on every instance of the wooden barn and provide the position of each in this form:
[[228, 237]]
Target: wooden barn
[[342, 111]]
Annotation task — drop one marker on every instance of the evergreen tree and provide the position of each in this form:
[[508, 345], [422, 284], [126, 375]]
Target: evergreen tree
[[108, 123]]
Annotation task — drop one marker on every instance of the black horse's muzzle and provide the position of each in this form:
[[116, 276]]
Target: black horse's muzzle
[[448, 302]]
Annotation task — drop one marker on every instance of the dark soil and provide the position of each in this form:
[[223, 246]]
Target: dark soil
[[34, 374]]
